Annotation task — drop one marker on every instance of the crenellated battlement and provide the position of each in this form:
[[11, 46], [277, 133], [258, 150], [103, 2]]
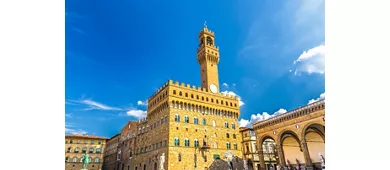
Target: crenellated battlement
[[185, 86]]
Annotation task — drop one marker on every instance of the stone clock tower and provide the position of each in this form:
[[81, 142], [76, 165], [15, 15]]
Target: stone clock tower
[[208, 58]]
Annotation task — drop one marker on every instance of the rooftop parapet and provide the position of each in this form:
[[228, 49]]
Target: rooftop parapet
[[189, 87], [295, 111]]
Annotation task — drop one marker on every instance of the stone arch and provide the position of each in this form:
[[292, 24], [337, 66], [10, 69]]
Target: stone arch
[[290, 146], [313, 136], [317, 127], [267, 159]]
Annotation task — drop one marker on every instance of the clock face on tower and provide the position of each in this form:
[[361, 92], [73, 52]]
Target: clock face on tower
[[213, 88]]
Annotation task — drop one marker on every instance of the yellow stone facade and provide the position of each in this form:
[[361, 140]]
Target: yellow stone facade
[[77, 145], [180, 114]]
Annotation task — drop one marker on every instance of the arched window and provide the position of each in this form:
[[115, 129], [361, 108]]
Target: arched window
[[90, 150], [195, 120], [186, 94], [204, 121], [209, 41], [216, 101], [174, 91], [235, 146], [226, 125], [186, 119], [179, 157], [98, 150], [90, 159], [69, 149], [176, 141], [74, 159], [84, 150], [180, 93], [177, 118], [234, 136], [96, 159], [67, 159], [233, 126], [76, 150], [214, 124], [196, 143], [202, 98], [227, 135], [186, 142], [197, 97], [227, 145], [192, 96]]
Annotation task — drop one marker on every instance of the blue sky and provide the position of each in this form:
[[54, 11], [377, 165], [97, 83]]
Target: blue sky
[[119, 52]]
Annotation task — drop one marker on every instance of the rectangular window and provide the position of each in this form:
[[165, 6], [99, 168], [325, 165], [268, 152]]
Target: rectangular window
[[165, 142], [99, 142], [78, 141], [92, 141], [235, 146], [195, 120]]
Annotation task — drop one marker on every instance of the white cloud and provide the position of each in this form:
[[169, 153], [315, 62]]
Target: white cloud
[[142, 103], [243, 123], [280, 111], [322, 96], [311, 61], [136, 113], [259, 117], [240, 102]]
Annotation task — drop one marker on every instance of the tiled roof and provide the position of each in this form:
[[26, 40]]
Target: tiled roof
[[85, 136]]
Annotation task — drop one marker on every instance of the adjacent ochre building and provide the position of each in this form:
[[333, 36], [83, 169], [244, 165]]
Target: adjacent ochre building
[[249, 148], [77, 145], [295, 138], [187, 127]]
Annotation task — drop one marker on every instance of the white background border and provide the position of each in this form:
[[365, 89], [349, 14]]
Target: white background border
[[32, 72]]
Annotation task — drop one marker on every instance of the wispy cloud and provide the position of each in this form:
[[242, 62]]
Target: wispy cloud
[[311, 61], [258, 117], [69, 115], [69, 129], [93, 105], [98, 106], [322, 96], [225, 85]]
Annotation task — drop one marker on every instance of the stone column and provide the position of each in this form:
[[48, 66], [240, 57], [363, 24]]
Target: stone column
[[261, 158], [282, 161], [306, 155]]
